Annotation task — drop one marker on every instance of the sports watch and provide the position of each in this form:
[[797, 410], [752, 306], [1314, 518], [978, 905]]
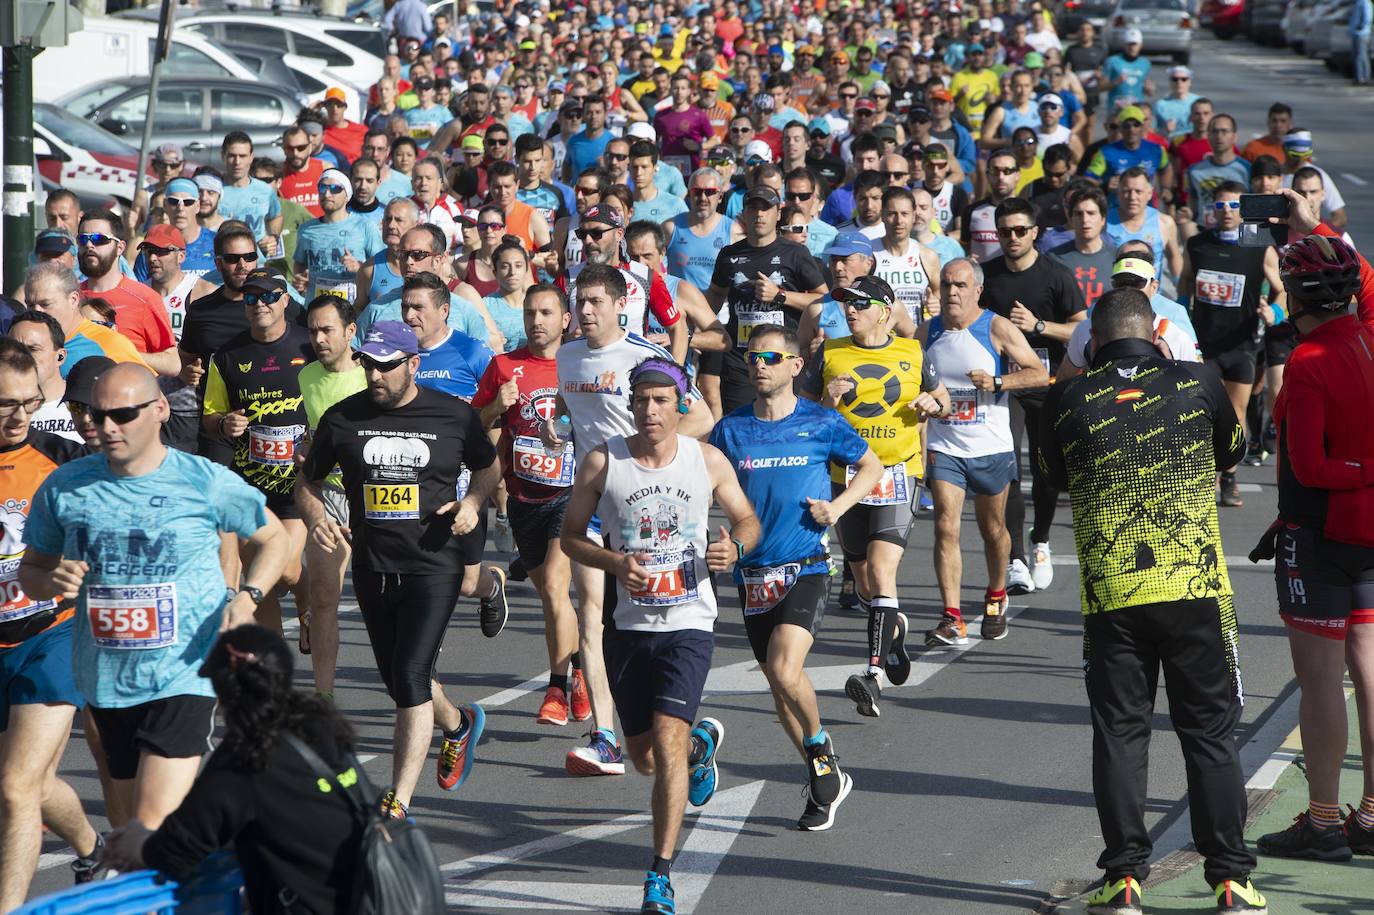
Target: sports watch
[[253, 594]]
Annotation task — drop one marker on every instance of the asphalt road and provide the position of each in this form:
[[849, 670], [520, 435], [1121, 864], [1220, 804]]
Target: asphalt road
[[972, 791]]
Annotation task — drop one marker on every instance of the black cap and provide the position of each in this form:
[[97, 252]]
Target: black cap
[[866, 287], [82, 376], [265, 280], [249, 644], [763, 194]]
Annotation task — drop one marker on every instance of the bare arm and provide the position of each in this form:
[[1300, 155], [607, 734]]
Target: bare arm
[[698, 422], [708, 334], [678, 338], [744, 524], [363, 281], [1010, 342], [1173, 252], [586, 493], [269, 561], [867, 472], [167, 362]]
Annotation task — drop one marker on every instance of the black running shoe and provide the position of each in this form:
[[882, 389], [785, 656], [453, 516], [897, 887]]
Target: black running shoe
[[898, 666], [84, 869], [864, 690], [1303, 840], [1361, 840], [494, 609], [849, 598], [820, 817], [1229, 495], [823, 768]]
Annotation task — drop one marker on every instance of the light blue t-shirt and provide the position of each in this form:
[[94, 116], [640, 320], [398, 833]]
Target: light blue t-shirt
[[395, 185], [1136, 71], [660, 209], [945, 248], [425, 123], [254, 204], [321, 246], [461, 315], [149, 609], [509, 320], [819, 235], [1173, 312], [1173, 110], [669, 180]]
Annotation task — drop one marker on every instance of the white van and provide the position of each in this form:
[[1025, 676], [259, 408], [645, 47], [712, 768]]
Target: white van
[[113, 48]]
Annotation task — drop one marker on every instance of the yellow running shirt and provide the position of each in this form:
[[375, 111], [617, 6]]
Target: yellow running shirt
[[887, 379]]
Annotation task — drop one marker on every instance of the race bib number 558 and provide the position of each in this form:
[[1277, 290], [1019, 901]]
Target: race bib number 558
[[133, 616]]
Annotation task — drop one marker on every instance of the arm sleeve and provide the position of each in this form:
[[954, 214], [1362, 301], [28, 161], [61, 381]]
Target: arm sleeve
[[1228, 436], [1305, 423], [930, 379], [216, 394], [218, 807], [661, 302], [1050, 457], [239, 508]]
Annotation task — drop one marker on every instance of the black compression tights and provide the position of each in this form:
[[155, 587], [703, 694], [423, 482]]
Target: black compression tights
[[406, 616]]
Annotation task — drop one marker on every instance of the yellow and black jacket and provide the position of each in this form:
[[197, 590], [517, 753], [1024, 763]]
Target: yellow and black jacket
[[1137, 442]]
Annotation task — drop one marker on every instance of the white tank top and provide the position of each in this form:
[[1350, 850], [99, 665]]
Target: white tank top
[[906, 275], [1060, 134], [572, 247], [980, 422], [637, 281], [942, 204], [595, 384], [175, 303], [664, 513]]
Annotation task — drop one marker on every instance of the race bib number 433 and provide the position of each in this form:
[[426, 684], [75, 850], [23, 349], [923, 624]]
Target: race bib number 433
[[133, 616], [1216, 287]]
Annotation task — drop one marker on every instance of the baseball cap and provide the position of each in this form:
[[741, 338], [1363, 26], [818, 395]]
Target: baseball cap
[[721, 153], [866, 287], [710, 81], [528, 45], [763, 102], [804, 49], [1130, 113], [169, 153], [265, 279], [885, 131], [604, 215], [1181, 72], [865, 104], [1132, 265], [776, 49], [758, 149], [1132, 36], [975, 48], [1033, 61], [840, 57], [1050, 100], [53, 241], [761, 193], [164, 236], [82, 376], [850, 243], [940, 94], [335, 94], [642, 130], [389, 341], [820, 126], [468, 216], [1266, 166], [472, 142], [570, 108]]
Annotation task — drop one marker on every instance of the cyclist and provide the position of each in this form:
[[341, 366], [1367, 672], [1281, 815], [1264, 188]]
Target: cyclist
[[400, 448]]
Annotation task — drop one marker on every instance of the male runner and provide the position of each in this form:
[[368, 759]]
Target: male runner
[[911, 269], [400, 448], [132, 536], [661, 610], [882, 385], [782, 448], [52, 288], [163, 252], [1133, 217], [384, 271], [245, 198], [40, 334], [331, 249], [971, 448], [38, 697]]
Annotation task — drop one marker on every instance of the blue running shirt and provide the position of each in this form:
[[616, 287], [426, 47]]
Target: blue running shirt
[[454, 366]]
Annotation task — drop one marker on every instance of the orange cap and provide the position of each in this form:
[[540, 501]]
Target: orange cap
[[335, 94]]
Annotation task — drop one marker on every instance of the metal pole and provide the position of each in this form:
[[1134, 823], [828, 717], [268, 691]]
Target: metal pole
[[20, 182], [140, 201]]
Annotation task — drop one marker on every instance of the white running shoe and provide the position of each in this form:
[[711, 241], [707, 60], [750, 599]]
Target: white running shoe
[[1041, 566], [1019, 578], [502, 540]]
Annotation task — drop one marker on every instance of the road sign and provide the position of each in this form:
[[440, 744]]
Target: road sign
[[38, 23]]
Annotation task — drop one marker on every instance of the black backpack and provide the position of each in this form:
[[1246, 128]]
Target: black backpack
[[396, 871]]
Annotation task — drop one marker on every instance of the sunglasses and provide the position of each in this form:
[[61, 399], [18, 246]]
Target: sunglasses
[[1003, 171], [416, 254], [498, 141], [95, 239], [490, 226], [267, 298], [900, 176], [618, 157], [181, 201], [331, 188], [794, 228], [800, 196], [741, 130], [157, 164], [861, 304], [849, 95], [594, 234], [1028, 141], [1226, 204], [368, 362], [768, 357], [1009, 231], [705, 191], [473, 153], [250, 258], [1179, 79], [156, 250], [120, 415], [301, 148]]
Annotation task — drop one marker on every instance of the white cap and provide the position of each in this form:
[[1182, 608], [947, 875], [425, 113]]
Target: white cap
[[1050, 100], [758, 148], [642, 130], [1181, 72], [1133, 36]]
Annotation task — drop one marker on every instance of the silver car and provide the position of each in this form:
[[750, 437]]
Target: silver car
[[194, 113], [1166, 27]]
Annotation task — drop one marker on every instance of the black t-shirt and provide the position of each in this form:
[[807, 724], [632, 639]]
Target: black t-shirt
[[1226, 294], [829, 167], [1047, 288], [786, 263], [1049, 204], [263, 380], [399, 466], [1081, 60]]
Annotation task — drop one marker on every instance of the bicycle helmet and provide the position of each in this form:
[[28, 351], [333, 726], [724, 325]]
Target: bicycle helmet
[[1320, 272]]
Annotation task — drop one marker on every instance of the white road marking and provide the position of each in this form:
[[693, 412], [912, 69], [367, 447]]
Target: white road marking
[[1354, 179], [711, 837]]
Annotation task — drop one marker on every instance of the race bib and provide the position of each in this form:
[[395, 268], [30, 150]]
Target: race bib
[[681, 163], [891, 489], [133, 616], [346, 291], [464, 481], [1218, 288], [1041, 353], [765, 588], [273, 446], [535, 465], [672, 579], [964, 409], [748, 320], [14, 603], [391, 501]]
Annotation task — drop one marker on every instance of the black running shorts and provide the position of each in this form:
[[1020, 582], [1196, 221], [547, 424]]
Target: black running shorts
[[803, 606], [177, 727], [534, 524]]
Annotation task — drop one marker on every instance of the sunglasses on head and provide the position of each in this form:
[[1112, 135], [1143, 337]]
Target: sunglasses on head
[[120, 415], [768, 357], [1009, 231], [95, 239], [368, 362], [267, 298], [331, 188], [248, 258], [593, 234]]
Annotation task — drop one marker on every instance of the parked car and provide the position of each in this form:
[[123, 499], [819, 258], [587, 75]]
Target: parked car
[[1165, 25], [1327, 16], [111, 48], [1222, 17], [76, 154], [1295, 22], [310, 76], [195, 113], [1261, 21], [304, 36], [1073, 13]]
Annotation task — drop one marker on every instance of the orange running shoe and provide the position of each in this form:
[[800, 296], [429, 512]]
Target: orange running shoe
[[580, 702], [555, 708]]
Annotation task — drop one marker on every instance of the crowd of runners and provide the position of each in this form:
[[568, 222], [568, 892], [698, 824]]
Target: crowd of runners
[[676, 311]]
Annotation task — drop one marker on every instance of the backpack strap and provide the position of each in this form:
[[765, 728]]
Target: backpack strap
[[323, 771]]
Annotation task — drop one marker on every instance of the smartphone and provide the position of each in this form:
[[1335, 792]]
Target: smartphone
[[1263, 235], [1263, 207]]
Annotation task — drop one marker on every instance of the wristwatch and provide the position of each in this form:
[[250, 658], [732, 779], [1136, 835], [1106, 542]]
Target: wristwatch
[[1039, 327], [779, 300], [253, 594], [739, 549], [997, 384]]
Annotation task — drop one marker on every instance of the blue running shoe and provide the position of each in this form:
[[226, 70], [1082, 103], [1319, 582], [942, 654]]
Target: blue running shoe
[[658, 895], [456, 753], [702, 779], [926, 504]]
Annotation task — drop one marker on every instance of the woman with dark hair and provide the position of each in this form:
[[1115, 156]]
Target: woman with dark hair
[[507, 304], [296, 840], [477, 267]]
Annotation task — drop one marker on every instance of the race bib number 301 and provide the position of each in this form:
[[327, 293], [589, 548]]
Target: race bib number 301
[[536, 465], [133, 616], [391, 501], [672, 579]]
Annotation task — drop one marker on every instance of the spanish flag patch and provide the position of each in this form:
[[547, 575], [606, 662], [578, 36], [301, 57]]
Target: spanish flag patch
[[1129, 394]]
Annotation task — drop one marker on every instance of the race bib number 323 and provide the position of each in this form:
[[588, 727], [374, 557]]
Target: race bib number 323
[[133, 616]]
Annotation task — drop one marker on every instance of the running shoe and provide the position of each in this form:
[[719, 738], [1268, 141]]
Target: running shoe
[[516, 571], [706, 739], [925, 503], [1303, 840], [501, 539], [1254, 454], [823, 771], [494, 609], [1270, 439], [456, 753], [658, 895], [864, 690], [598, 757], [898, 666], [1119, 897], [1239, 897], [84, 869], [1019, 578], [1361, 840], [1041, 566], [994, 626], [554, 709], [819, 817], [951, 630], [579, 702], [1229, 494], [849, 598], [393, 809]]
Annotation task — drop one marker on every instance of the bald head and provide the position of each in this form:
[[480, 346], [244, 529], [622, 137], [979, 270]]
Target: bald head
[[124, 385]]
